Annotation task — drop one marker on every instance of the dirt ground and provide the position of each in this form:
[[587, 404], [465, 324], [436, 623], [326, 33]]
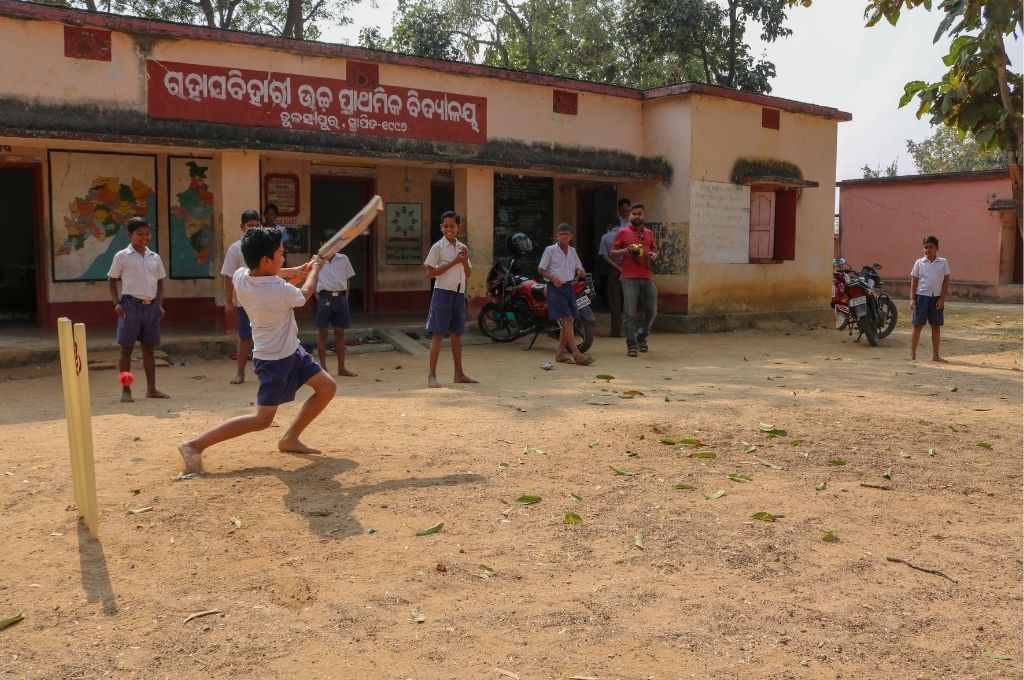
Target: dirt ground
[[316, 568]]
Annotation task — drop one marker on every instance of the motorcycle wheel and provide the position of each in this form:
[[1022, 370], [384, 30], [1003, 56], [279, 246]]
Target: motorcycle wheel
[[495, 324], [842, 320], [887, 317], [584, 334], [868, 329]]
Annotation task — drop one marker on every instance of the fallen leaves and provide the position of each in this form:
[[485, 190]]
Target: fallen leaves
[[572, 518], [433, 529], [528, 499]]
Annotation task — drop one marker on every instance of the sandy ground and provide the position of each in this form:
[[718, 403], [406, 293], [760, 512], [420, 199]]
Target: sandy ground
[[316, 568]]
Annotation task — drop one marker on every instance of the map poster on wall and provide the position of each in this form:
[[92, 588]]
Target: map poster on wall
[[92, 197], [283, 191], [719, 222], [404, 233], [192, 244]]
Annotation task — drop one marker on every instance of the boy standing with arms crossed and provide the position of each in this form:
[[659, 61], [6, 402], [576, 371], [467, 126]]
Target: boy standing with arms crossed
[[929, 284], [448, 264], [232, 261], [139, 307], [332, 305], [279, 361]]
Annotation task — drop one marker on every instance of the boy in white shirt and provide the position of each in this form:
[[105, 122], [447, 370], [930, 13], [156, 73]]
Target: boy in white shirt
[[332, 305], [139, 306], [559, 264], [279, 361], [232, 261], [929, 284], [448, 264]]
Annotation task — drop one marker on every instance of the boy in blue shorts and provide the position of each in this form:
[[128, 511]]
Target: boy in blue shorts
[[559, 265], [232, 262], [448, 264], [279, 361], [139, 306], [332, 305], [929, 284]]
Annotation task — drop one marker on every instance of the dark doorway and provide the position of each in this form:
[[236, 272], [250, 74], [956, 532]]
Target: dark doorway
[[594, 208], [1018, 258], [333, 202], [523, 204], [442, 199], [18, 257]]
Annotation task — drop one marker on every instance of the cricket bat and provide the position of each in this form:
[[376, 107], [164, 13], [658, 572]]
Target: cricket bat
[[355, 227]]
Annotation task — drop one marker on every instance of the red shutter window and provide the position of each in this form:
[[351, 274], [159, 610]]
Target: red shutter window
[[785, 225], [762, 225]]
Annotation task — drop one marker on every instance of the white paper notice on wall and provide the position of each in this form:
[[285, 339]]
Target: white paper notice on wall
[[719, 222]]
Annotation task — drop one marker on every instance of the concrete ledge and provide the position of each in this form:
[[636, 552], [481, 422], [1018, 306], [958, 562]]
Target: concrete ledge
[[716, 323]]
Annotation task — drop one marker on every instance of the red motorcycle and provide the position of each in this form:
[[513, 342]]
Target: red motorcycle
[[518, 307], [858, 301]]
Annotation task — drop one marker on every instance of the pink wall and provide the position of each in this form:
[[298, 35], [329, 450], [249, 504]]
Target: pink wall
[[885, 220]]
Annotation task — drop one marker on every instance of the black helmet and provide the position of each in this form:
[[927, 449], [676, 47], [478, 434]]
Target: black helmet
[[519, 244]]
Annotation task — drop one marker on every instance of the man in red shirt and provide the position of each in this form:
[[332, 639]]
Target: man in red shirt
[[635, 244]]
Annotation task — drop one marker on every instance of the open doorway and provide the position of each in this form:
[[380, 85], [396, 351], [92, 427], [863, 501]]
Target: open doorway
[[19, 195], [333, 202], [594, 208]]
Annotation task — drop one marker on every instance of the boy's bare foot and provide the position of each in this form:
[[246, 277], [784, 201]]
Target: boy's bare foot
[[192, 456], [913, 355], [295, 446], [126, 396], [432, 381], [347, 373], [156, 394], [463, 378], [238, 379], [940, 360]]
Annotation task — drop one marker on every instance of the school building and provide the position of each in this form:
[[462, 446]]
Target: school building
[[104, 117], [885, 219]]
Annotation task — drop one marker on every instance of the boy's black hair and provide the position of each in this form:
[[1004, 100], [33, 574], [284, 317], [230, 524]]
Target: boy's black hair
[[624, 200], [326, 235], [564, 226], [249, 215], [271, 206], [452, 214], [931, 239], [136, 222], [258, 243], [637, 205]]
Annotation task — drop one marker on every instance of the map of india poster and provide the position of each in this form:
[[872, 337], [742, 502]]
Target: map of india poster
[[191, 225], [92, 197]]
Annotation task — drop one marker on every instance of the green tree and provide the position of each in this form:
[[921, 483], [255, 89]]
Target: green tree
[[951, 151], [978, 93], [299, 19], [878, 171]]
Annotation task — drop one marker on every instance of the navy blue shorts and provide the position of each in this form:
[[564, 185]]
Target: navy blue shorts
[[243, 323], [561, 301], [280, 379], [447, 312], [331, 310], [925, 311], [141, 323]]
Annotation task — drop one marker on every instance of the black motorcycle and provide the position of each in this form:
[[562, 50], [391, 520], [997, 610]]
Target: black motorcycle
[[872, 311]]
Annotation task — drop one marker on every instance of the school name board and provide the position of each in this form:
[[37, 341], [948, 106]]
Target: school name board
[[719, 222], [218, 94]]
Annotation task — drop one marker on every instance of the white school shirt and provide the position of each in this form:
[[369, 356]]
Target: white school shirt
[[441, 253], [930, 275], [139, 272], [269, 301], [335, 273], [233, 259], [560, 265]]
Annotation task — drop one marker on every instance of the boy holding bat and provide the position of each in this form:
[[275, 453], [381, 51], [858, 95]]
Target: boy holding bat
[[448, 264], [279, 361]]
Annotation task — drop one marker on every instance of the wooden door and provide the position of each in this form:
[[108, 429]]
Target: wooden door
[[762, 225]]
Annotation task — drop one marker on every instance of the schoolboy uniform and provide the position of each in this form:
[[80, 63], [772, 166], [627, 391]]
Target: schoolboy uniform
[[280, 362], [139, 274], [562, 266], [331, 286], [232, 261], [448, 301], [930, 274]]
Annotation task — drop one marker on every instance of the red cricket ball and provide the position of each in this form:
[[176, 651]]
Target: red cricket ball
[[126, 378]]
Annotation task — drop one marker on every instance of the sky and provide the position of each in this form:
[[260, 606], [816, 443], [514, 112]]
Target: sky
[[832, 60]]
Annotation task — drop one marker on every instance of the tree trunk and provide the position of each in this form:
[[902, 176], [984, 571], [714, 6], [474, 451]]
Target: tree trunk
[[293, 21], [732, 44], [1013, 133]]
